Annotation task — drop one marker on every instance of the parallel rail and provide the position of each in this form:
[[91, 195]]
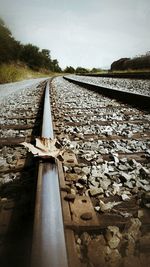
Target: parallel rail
[[125, 75], [49, 248], [84, 114], [134, 99]]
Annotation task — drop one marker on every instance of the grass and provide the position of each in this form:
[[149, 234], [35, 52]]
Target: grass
[[121, 72], [17, 72], [100, 72], [131, 71]]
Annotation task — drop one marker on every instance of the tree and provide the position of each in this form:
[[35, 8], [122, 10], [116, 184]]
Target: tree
[[69, 69], [55, 66], [95, 70], [119, 64], [31, 56], [12, 50], [80, 70], [136, 63], [46, 59], [9, 47], [46, 53]]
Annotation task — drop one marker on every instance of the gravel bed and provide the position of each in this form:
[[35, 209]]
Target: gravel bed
[[122, 129], [100, 116], [111, 184], [23, 102], [130, 85], [15, 133], [21, 121], [105, 147], [9, 88], [92, 150]]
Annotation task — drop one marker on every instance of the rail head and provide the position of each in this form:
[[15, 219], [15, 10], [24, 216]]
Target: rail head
[[49, 247]]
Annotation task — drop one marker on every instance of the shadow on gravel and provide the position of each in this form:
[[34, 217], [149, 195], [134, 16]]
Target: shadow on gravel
[[17, 242]]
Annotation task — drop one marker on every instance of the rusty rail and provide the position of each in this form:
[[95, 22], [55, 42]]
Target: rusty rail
[[49, 248]]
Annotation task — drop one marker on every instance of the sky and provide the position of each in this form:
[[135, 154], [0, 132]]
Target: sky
[[87, 33]]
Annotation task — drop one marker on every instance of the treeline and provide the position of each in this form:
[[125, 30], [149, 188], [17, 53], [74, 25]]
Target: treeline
[[13, 51], [138, 63], [81, 70]]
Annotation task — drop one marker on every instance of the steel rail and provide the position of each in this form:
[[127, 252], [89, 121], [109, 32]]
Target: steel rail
[[48, 248], [134, 99], [125, 75]]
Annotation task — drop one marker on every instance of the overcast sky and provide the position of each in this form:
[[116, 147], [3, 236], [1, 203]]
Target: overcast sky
[[88, 33]]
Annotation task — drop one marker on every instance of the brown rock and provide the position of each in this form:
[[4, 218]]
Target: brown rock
[[113, 236], [130, 246], [71, 177], [85, 238], [115, 258], [114, 230], [96, 191], [134, 229], [96, 253], [114, 242], [77, 170]]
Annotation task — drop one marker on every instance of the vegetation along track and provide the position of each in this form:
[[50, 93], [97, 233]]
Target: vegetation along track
[[105, 185], [104, 180]]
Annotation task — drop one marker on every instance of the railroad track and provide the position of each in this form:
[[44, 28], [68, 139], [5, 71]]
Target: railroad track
[[104, 198], [103, 177], [133, 97]]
